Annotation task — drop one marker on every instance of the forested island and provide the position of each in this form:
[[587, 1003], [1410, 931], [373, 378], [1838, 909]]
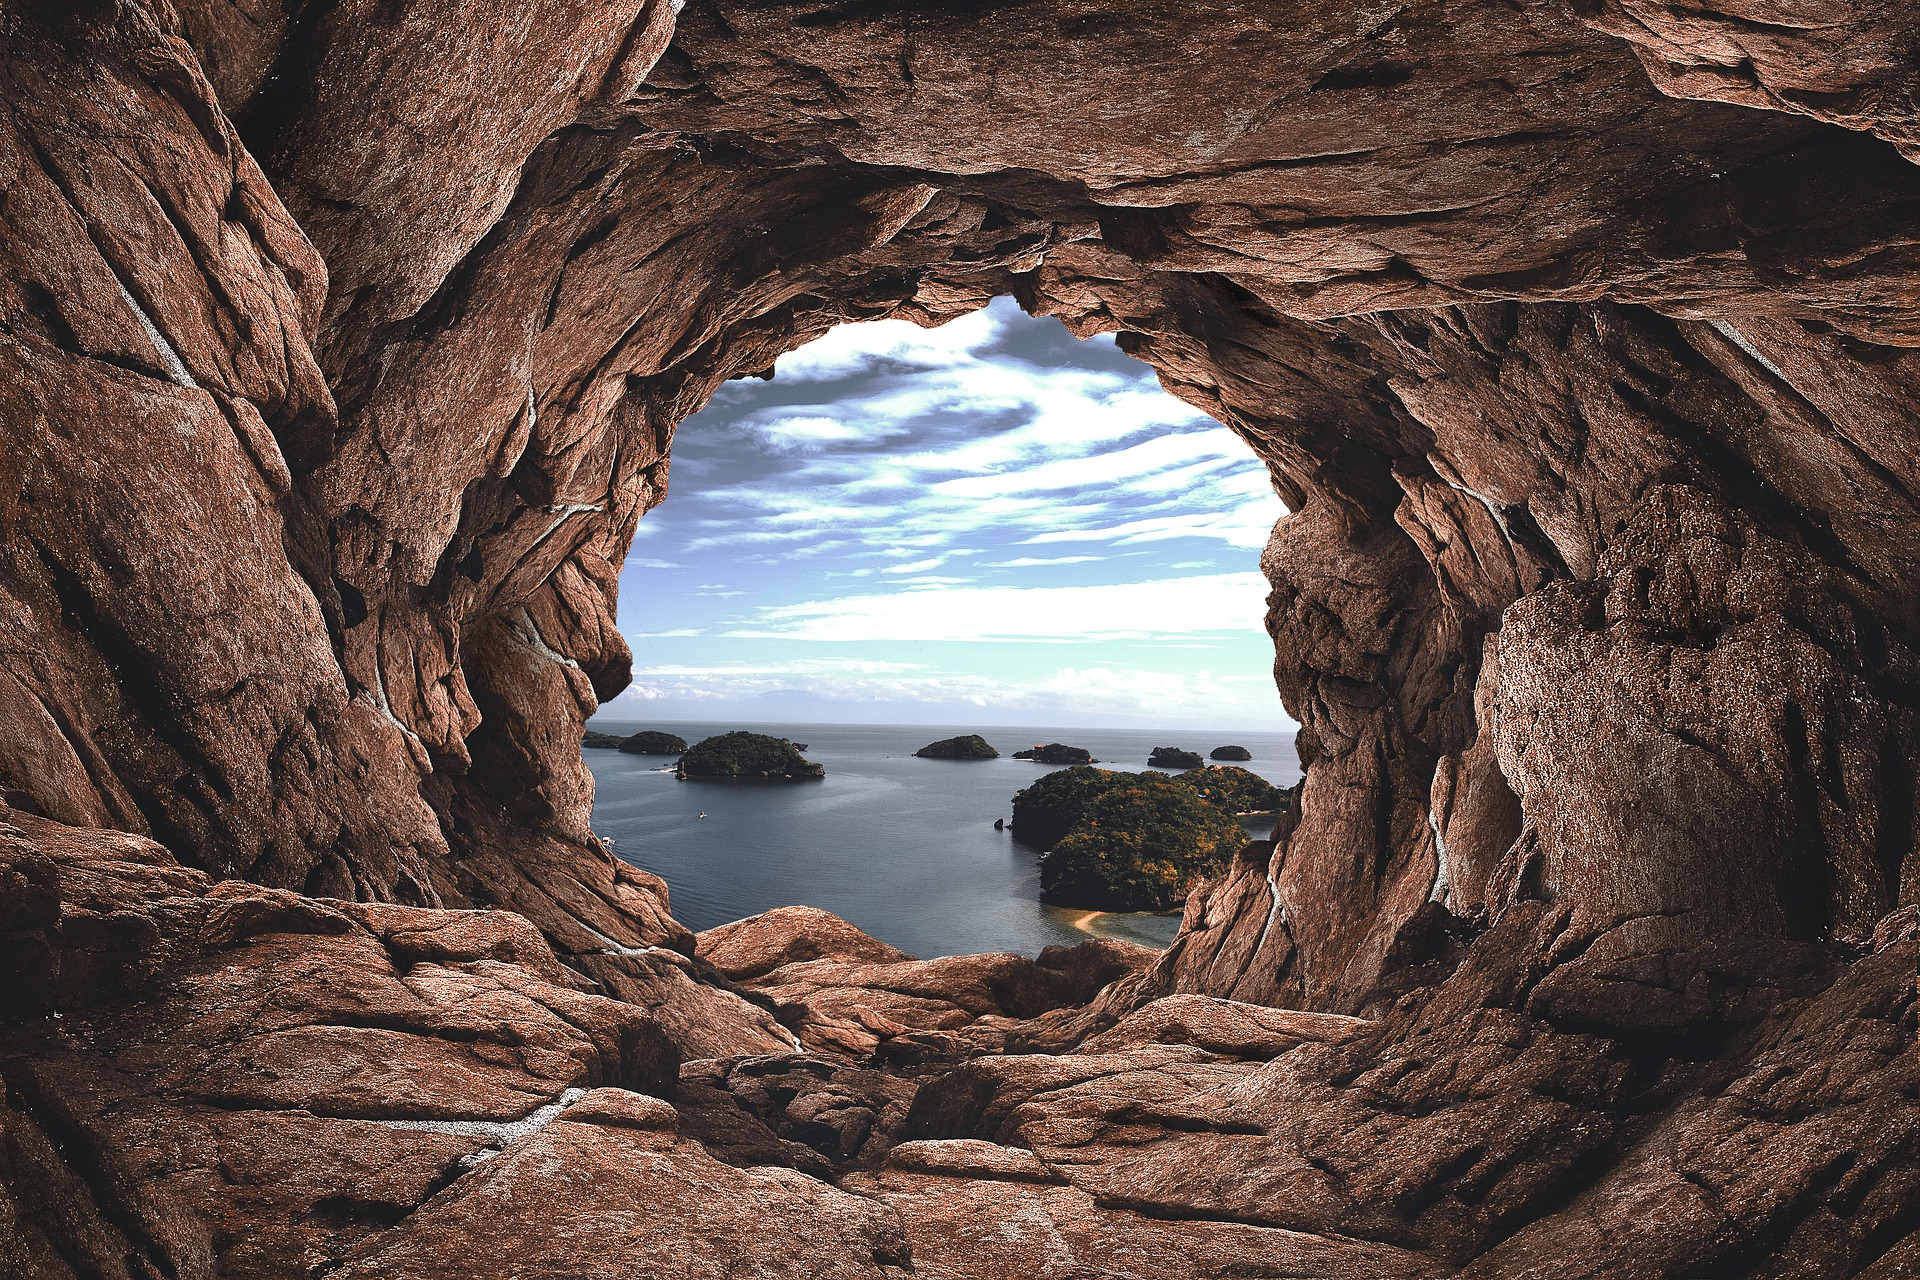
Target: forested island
[[1136, 841], [654, 742], [647, 742], [747, 755], [1236, 790]]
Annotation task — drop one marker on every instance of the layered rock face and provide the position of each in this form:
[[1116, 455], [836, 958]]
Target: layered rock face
[[343, 347]]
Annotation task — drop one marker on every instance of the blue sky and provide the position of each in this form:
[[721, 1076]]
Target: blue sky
[[990, 522]]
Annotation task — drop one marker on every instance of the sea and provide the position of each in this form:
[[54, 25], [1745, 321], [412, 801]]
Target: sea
[[903, 847]]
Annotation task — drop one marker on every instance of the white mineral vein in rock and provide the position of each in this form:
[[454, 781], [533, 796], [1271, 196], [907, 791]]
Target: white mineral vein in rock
[[161, 347]]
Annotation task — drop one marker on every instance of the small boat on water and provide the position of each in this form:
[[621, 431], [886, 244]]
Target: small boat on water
[[703, 813]]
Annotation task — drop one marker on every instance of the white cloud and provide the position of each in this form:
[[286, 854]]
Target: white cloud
[[850, 348], [789, 667], [1248, 525], [811, 433], [1212, 603], [1000, 441], [1137, 465], [1170, 697], [1028, 562]]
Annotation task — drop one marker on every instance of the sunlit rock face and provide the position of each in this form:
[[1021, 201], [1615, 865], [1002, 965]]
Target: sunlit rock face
[[341, 351]]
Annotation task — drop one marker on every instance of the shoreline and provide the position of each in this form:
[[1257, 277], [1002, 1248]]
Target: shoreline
[[1080, 922], [1092, 924]]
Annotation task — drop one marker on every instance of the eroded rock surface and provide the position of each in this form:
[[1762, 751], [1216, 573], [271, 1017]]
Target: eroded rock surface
[[341, 348]]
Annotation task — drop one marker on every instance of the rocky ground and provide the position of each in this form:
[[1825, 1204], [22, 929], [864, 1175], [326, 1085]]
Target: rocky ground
[[224, 1079], [341, 349]]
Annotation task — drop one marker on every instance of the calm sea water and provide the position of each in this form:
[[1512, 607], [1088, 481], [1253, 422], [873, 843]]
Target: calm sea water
[[902, 847]]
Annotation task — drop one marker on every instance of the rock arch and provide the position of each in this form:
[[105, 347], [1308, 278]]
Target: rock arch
[[346, 347]]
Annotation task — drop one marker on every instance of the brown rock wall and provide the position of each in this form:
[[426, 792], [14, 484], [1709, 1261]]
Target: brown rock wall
[[173, 675], [1592, 401], [1848, 63]]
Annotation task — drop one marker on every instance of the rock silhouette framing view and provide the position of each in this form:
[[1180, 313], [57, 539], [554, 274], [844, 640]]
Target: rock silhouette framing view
[[341, 351]]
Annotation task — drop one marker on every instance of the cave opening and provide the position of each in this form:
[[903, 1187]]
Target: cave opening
[[991, 518], [899, 535]]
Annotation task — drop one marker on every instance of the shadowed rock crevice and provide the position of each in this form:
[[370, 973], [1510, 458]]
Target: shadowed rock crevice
[[1576, 337]]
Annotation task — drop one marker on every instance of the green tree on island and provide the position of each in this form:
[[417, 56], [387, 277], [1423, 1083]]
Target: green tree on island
[[1142, 845], [1235, 790], [1046, 811], [1054, 806]]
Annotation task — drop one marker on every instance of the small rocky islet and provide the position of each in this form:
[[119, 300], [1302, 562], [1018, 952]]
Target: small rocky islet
[[969, 746], [1056, 753], [1230, 753], [1117, 841], [1173, 758]]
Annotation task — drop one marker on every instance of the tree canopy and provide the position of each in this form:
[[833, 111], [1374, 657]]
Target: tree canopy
[[1144, 841], [654, 742], [747, 755], [1235, 790]]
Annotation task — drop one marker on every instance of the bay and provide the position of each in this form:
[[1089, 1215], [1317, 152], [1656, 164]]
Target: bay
[[900, 846]]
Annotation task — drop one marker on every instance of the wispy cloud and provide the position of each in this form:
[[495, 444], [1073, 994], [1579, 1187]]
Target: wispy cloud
[[853, 348], [921, 438], [917, 566], [1213, 603], [789, 667]]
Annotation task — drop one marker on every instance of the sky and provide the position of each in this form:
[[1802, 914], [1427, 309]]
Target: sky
[[987, 523]]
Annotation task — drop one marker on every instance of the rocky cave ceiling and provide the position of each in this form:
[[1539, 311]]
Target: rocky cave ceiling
[[345, 342]]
